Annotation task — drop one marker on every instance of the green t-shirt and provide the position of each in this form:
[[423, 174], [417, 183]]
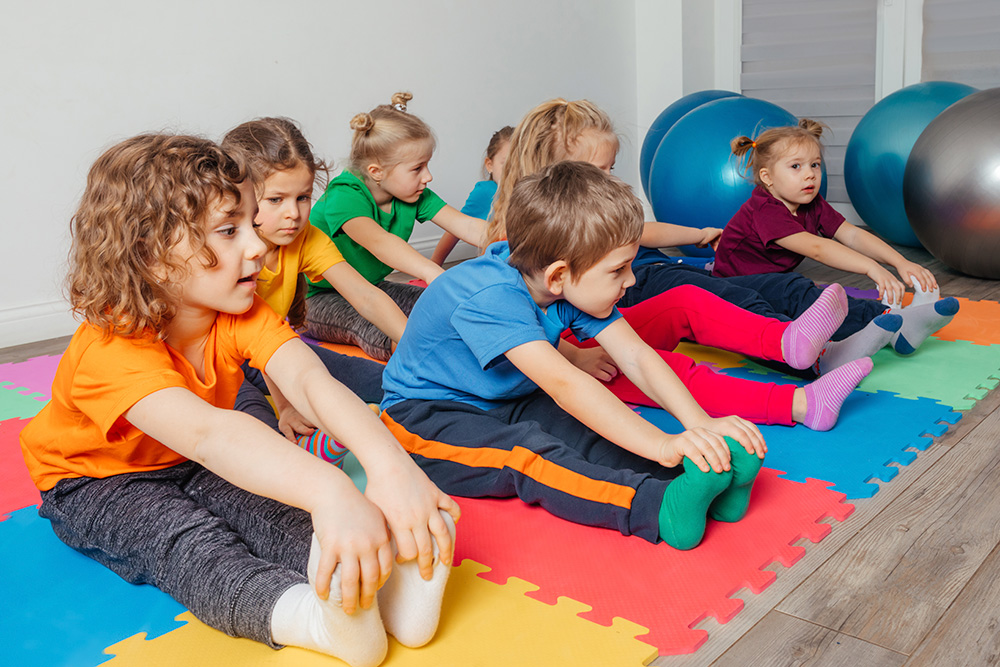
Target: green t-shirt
[[346, 198]]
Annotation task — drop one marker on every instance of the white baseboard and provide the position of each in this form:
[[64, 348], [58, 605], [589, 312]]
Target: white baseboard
[[27, 324]]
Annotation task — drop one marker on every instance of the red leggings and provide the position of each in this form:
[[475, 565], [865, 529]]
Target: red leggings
[[693, 313]]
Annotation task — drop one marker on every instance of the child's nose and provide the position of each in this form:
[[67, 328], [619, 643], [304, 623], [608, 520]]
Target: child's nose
[[255, 247], [428, 177]]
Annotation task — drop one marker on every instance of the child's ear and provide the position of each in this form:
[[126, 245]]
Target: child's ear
[[556, 276], [765, 177], [375, 172]]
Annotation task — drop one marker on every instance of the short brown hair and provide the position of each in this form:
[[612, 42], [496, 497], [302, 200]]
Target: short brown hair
[[570, 211], [269, 145], [143, 196]]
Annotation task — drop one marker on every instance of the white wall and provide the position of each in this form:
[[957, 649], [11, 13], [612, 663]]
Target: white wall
[[79, 77]]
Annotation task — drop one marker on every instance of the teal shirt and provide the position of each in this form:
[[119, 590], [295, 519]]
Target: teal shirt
[[346, 198]]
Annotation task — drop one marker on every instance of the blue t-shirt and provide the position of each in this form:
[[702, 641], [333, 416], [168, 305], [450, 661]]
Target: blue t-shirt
[[455, 339], [480, 201]]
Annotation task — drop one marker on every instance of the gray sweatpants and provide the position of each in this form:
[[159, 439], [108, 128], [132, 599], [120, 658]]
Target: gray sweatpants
[[222, 552], [331, 318]]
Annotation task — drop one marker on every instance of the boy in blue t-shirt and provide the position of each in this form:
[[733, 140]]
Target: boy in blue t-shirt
[[481, 398]]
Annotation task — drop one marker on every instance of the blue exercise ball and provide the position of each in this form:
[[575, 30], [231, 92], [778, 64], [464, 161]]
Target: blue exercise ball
[[951, 185], [695, 180], [665, 121], [879, 148]]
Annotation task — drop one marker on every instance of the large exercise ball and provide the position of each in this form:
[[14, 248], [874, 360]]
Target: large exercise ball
[[879, 147], [695, 180], [665, 121], [951, 186]]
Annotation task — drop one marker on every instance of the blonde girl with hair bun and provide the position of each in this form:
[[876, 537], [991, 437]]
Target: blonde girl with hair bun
[[369, 211]]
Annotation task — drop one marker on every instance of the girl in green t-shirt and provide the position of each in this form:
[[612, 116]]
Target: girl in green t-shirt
[[369, 212]]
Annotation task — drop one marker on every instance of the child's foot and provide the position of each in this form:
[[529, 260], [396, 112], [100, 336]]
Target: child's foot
[[731, 505], [921, 321], [806, 335], [300, 618], [825, 395], [864, 343], [411, 606], [920, 297], [324, 446], [685, 504]]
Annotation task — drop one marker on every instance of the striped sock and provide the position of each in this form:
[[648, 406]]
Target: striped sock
[[807, 334], [322, 445], [825, 396]]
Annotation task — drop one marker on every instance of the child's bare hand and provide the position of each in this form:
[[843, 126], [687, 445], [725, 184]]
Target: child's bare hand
[[352, 533], [594, 361], [711, 236], [890, 290], [910, 271], [292, 424], [742, 431], [410, 503], [705, 448]]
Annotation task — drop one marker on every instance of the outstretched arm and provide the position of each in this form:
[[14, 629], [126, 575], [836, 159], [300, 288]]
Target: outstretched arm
[[666, 235], [834, 253], [469, 229], [390, 249], [872, 246], [409, 500], [592, 403], [371, 303]]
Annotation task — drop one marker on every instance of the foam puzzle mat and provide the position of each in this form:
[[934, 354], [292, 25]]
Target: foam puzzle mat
[[527, 588]]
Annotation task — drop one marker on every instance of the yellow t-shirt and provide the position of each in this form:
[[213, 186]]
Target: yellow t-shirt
[[312, 252], [82, 431]]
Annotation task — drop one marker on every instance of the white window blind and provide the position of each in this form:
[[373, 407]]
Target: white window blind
[[962, 42], [815, 58]]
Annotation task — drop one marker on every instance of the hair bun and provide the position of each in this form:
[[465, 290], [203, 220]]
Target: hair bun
[[399, 100], [362, 122]]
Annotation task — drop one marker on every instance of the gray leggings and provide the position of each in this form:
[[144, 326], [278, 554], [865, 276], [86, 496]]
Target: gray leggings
[[222, 552], [330, 317]]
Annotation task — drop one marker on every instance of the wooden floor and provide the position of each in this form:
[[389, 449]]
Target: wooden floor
[[912, 577]]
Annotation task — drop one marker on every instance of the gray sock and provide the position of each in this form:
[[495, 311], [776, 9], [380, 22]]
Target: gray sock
[[919, 322], [864, 343]]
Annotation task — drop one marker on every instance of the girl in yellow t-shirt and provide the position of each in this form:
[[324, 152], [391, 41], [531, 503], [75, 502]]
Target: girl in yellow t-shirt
[[284, 169]]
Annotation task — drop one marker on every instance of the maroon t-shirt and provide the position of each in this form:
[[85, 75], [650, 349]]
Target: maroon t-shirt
[[749, 242]]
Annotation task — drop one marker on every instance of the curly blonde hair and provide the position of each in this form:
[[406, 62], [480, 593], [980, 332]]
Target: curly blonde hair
[[143, 196], [771, 144], [549, 133]]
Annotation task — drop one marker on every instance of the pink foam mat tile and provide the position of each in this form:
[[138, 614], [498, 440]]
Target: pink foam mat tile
[[651, 585], [35, 374]]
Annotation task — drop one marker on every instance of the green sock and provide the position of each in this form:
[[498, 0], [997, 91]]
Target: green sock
[[731, 505], [685, 504]]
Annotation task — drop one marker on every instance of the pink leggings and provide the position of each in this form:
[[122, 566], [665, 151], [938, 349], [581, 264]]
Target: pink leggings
[[693, 313]]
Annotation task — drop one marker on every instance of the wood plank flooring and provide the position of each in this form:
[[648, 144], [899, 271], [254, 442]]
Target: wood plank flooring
[[912, 577]]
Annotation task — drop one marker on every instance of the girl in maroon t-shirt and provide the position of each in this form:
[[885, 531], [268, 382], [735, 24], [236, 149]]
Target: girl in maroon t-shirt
[[786, 220]]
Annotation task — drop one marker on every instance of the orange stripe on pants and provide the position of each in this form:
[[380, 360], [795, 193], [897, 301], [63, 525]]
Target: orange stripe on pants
[[520, 459]]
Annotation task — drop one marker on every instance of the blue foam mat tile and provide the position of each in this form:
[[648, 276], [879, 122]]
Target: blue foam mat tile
[[62, 608], [875, 431]]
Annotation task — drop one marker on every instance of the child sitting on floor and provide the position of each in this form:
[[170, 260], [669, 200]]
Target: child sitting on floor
[[480, 201], [786, 220], [369, 212], [283, 167], [483, 401], [143, 465]]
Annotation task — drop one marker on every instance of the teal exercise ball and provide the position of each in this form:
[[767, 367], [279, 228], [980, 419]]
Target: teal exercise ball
[[695, 180], [665, 121], [879, 148], [951, 185]]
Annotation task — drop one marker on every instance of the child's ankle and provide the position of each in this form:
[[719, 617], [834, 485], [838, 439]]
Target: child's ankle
[[685, 504]]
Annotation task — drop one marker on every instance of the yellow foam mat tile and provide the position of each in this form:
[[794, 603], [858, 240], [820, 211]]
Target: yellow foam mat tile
[[483, 624], [711, 355]]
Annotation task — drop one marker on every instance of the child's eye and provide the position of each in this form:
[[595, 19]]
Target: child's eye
[[226, 231], [305, 197], [274, 200], [257, 225]]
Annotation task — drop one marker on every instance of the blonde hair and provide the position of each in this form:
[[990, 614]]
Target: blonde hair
[[548, 134], [266, 146], [381, 134], [570, 211], [771, 144], [143, 196]]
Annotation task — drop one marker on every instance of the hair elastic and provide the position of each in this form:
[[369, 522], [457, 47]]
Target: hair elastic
[[399, 107], [753, 144]]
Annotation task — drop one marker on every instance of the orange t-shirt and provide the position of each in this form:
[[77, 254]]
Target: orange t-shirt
[[82, 431]]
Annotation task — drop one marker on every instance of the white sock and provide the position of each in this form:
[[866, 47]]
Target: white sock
[[872, 338], [301, 619], [411, 606], [921, 297]]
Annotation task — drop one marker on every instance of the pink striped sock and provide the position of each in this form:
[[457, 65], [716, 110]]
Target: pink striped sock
[[825, 396], [805, 336]]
